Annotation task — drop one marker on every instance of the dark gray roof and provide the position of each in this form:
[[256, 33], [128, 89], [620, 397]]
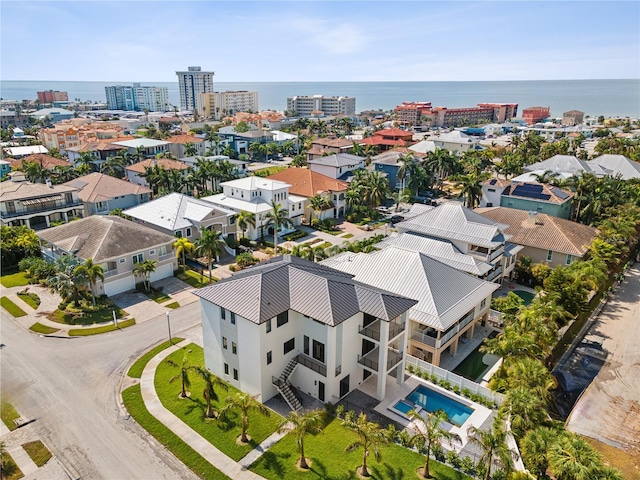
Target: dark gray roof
[[291, 283]]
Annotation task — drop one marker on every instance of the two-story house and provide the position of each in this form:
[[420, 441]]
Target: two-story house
[[255, 195], [323, 146], [179, 143], [450, 303], [307, 183], [290, 322], [115, 244], [37, 205], [102, 193], [136, 172], [149, 147], [183, 216], [339, 166]]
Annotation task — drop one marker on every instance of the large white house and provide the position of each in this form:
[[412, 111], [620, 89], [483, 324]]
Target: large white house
[[256, 195], [289, 321]]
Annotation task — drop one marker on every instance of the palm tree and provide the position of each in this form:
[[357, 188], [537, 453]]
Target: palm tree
[[35, 171], [535, 447], [311, 422], [144, 270], [376, 188], [209, 393], [370, 438], [183, 245], [548, 176], [429, 433], [471, 188], [245, 220], [190, 149], [183, 374], [400, 197], [210, 246], [244, 403], [407, 165], [93, 272], [317, 203], [572, 458], [63, 173], [67, 282], [527, 409], [493, 445], [278, 217]]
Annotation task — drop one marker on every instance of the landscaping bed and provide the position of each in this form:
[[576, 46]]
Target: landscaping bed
[[8, 415], [38, 452], [194, 278], [44, 329], [30, 299], [138, 366], [84, 332], [103, 313]]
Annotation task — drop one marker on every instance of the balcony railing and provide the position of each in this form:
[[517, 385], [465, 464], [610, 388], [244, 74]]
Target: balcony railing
[[424, 338], [370, 359], [395, 329], [438, 342], [312, 364], [47, 208], [496, 254], [371, 331], [393, 358], [494, 274]]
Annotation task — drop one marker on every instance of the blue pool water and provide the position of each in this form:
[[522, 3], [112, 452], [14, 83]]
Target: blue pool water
[[432, 401]]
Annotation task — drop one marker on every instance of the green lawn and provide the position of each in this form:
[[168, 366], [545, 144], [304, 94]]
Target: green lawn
[[30, 299], [191, 410], [14, 473], [193, 278], [84, 332], [14, 280], [138, 366], [132, 399], [44, 329], [11, 307], [172, 305], [88, 318], [269, 170], [330, 461], [347, 235], [38, 452], [157, 296], [325, 245], [8, 415]]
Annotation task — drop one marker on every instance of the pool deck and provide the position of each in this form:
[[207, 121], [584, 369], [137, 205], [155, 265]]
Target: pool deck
[[395, 393], [450, 362]]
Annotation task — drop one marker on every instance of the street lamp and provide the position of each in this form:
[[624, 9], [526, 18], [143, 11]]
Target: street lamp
[[168, 325]]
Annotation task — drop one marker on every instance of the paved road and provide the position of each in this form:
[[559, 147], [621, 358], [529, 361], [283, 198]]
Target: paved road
[[70, 386], [609, 410]]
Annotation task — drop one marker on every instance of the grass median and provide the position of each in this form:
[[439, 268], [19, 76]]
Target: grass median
[[44, 329], [8, 414], [38, 452], [138, 366], [13, 309], [84, 332]]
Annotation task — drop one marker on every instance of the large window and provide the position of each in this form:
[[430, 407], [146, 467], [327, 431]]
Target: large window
[[318, 351], [234, 348], [269, 357], [224, 342], [289, 345], [223, 313], [282, 318], [549, 255], [305, 345], [268, 325]]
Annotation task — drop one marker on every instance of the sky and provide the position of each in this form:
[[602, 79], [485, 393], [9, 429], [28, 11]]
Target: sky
[[311, 41]]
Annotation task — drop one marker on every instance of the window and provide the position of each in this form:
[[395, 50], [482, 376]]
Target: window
[[188, 232], [282, 318], [11, 207], [233, 318], [122, 260], [139, 258], [224, 342], [305, 346], [289, 345], [223, 313], [269, 358], [234, 348], [178, 233], [152, 252], [235, 374], [569, 259], [268, 325], [318, 351], [483, 303], [162, 251], [226, 369], [549, 255]]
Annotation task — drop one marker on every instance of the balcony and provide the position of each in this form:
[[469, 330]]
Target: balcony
[[495, 273], [496, 254], [370, 359], [48, 208], [395, 329], [424, 338], [394, 357], [371, 331], [312, 364]]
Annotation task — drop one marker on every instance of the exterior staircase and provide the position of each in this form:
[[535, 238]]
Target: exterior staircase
[[284, 387]]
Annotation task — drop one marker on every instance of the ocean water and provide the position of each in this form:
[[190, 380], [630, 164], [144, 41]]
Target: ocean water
[[594, 97]]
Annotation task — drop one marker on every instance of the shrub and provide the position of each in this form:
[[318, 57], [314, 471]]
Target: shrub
[[245, 242], [339, 411], [445, 384], [330, 408], [294, 235], [246, 259], [453, 459], [315, 222], [411, 369], [37, 268], [232, 243], [269, 250], [466, 392], [468, 466], [404, 438], [232, 268], [456, 389], [437, 452], [433, 379]]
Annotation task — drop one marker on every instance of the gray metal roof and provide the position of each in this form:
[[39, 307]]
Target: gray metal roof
[[337, 160], [616, 165], [452, 221], [291, 283], [561, 163], [444, 294]]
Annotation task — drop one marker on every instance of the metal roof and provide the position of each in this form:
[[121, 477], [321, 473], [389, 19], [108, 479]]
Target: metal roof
[[287, 283], [444, 294]]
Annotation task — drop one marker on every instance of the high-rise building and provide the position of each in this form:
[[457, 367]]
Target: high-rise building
[[304, 106], [50, 96], [219, 104], [137, 97], [191, 83]]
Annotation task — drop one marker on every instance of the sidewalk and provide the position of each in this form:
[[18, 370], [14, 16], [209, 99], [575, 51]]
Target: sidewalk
[[235, 470]]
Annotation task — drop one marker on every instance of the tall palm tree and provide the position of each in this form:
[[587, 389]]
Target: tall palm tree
[[301, 425], [493, 444], [144, 270], [190, 149], [210, 245], [35, 171], [572, 458], [244, 404], [67, 282], [527, 409], [183, 245], [245, 220], [93, 272], [429, 433], [63, 173], [113, 166], [376, 188], [317, 203], [370, 438], [211, 381], [535, 447], [471, 188], [278, 217], [407, 165], [183, 374]]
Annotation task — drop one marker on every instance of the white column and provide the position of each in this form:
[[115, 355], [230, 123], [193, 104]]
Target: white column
[[383, 354]]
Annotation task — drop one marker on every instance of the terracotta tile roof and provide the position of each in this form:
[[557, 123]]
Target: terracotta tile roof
[[184, 139], [166, 163], [97, 187], [394, 132], [306, 183], [332, 142], [95, 145], [547, 233], [376, 140], [48, 161]]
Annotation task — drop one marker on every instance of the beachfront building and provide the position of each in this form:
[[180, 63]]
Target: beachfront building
[[50, 96], [315, 105], [190, 84], [533, 115], [217, 105], [274, 334], [572, 118], [116, 245], [450, 303], [543, 238], [423, 113], [255, 195]]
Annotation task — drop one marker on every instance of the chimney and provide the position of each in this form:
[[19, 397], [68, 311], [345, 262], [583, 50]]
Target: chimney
[[531, 220]]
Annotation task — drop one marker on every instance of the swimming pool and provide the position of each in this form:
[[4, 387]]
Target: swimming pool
[[422, 397]]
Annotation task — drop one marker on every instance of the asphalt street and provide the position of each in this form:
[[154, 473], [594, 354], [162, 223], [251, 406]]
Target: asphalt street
[[70, 386]]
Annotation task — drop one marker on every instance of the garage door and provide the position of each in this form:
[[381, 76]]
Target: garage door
[[120, 285], [162, 271]]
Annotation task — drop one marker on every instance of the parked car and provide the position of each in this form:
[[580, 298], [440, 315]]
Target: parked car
[[397, 219]]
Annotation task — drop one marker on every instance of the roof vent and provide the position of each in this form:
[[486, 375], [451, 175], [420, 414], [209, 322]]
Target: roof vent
[[531, 219]]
